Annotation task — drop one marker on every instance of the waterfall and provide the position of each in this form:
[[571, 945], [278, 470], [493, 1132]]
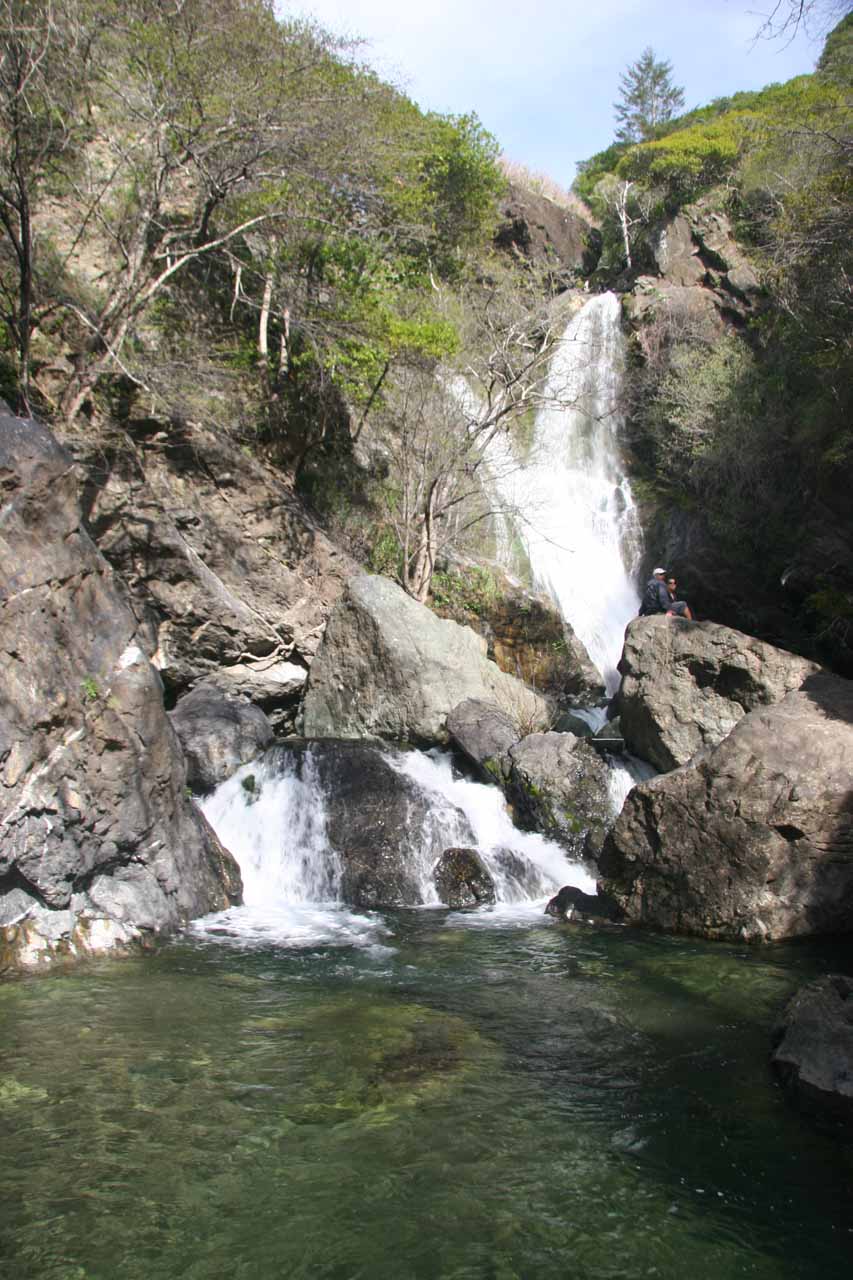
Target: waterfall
[[273, 816], [574, 508]]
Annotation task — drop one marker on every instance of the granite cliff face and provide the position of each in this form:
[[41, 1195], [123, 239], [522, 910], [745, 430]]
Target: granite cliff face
[[226, 571], [701, 290], [100, 845]]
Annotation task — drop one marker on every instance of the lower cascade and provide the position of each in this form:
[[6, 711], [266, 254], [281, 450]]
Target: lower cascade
[[325, 828]]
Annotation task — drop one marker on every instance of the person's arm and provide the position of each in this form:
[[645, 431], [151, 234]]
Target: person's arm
[[663, 597]]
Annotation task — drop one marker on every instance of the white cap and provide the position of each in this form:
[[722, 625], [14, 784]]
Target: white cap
[[655, 572]]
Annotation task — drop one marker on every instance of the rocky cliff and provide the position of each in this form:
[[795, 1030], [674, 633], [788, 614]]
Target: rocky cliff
[[101, 845]]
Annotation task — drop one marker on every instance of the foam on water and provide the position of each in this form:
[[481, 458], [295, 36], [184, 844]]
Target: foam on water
[[272, 816]]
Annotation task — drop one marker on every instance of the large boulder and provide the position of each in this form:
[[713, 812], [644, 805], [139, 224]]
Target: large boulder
[[388, 667], [558, 785], [462, 879], [380, 824], [218, 734], [100, 844], [273, 685], [685, 685], [813, 1046], [753, 839], [697, 247], [484, 734]]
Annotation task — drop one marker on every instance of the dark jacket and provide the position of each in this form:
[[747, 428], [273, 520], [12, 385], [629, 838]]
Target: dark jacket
[[656, 598]]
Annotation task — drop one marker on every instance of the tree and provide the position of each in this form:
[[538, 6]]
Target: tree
[[786, 17], [42, 70], [648, 98], [214, 120], [447, 428], [627, 203]]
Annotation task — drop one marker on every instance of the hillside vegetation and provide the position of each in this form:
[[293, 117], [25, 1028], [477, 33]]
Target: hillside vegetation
[[752, 429], [213, 213]]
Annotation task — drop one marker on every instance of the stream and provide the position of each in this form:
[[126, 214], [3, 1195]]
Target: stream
[[432, 1095]]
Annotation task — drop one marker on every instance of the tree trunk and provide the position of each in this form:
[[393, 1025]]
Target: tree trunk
[[625, 220], [264, 322]]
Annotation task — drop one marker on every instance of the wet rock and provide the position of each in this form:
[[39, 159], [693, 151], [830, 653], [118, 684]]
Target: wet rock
[[686, 685], [573, 904], [484, 734], [389, 667], [813, 1046], [462, 879], [99, 843], [380, 824], [609, 740], [752, 839], [559, 786], [569, 722], [219, 734]]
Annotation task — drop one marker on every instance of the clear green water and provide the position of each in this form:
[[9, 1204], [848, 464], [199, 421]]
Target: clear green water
[[482, 1103]]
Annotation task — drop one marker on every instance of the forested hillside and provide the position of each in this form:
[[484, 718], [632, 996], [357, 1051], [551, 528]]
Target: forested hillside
[[742, 424], [215, 215]]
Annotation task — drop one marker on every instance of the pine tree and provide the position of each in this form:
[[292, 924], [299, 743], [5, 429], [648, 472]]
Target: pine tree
[[647, 98]]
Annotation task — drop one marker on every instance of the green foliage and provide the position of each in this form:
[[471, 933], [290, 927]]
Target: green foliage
[[461, 180], [386, 555], [836, 60], [471, 590], [591, 171], [89, 689], [690, 160]]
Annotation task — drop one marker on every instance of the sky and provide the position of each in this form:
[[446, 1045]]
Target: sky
[[543, 75]]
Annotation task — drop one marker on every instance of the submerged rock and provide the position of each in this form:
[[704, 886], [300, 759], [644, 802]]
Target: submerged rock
[[751, 840], [685, 685], [462, 879], [813, 1046], [218, 734], [99, 843], [559, 786], [389, 667]]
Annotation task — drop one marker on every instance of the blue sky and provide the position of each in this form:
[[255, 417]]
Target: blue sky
[[543, 74]]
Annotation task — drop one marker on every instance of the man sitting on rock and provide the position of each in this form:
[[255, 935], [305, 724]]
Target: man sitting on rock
[[656, 598], [677, 608]]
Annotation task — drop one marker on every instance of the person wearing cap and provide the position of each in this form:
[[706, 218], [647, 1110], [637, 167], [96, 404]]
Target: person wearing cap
[[656, 598]]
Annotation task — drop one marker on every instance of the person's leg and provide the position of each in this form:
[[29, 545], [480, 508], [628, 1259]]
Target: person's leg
[[681, 609]]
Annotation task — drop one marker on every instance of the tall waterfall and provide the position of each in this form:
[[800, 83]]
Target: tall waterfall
[[575, 512]]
